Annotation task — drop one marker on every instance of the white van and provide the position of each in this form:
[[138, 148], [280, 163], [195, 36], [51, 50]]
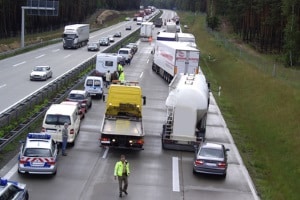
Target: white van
[[56, 116], [127, 53], [94, 85]]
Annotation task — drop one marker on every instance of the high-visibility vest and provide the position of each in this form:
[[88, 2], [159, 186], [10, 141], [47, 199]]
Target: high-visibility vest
[[120, 67], [119, 168], [122, 77]]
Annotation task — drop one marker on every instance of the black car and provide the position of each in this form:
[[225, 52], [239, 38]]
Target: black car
[[211, 158], [128, 27], [104, 41]]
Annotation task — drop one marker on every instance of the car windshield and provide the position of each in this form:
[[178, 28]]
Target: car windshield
[[37, 152], [212, 153], [57, 119], [76, 96], [40, 69]]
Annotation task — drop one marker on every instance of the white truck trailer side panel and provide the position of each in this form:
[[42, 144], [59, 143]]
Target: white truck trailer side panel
[[175, 57]]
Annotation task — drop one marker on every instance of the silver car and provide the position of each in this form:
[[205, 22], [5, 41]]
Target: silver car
[[93, 46], [211, 158], [13, 190], [38, 154], [41, 73]]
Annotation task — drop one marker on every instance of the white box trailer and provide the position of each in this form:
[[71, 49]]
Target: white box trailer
[[171, 58], [171, 27], [105, 62], [76, 35], [187, 38], [146, 31]]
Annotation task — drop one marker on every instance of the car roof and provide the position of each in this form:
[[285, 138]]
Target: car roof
[[38, 140], [77, 92], [61, 109], [212, 145]]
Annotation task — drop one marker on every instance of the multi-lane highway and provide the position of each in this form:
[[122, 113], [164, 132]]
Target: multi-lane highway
[[87, 172]]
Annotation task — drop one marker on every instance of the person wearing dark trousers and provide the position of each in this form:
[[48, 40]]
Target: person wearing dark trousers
[[65, 134], [122, 171]]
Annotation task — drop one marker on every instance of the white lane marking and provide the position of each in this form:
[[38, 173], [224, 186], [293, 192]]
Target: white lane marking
[[15, 65], [148, 61], [56, 50], [141, 75], [11, 172], [67, 56], [175, 174], [40, 56], [2, 86], [105, 152]]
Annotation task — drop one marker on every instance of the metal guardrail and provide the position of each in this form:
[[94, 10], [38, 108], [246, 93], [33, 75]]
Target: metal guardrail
[[19, 111]]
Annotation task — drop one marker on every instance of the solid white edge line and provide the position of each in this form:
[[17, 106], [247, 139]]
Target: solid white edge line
[[175, 174], [11, 172]]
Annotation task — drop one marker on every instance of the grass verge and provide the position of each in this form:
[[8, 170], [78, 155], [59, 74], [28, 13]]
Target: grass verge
[[261, 111]]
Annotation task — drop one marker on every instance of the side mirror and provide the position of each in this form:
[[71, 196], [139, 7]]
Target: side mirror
[[144, 100]]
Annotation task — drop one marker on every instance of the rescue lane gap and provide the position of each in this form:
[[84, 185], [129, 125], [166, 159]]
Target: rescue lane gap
[[175, 174]]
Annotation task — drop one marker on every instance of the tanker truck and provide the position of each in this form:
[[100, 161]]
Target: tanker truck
[[122, 125], [187, 108], [172, 57], [75, 36]]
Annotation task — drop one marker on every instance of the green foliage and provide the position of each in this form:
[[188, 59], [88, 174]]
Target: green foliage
[[213, 22]]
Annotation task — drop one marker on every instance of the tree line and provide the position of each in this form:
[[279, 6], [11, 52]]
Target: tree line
[[271, 26], [69, 12]]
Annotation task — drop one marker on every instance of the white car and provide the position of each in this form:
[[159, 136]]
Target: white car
[[41, 73], [111, 38]]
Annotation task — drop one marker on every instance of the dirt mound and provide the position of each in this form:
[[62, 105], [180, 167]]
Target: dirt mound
[[105, 15]]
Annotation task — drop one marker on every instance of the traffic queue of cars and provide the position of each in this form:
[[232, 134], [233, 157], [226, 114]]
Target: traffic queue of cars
[[39, 151]]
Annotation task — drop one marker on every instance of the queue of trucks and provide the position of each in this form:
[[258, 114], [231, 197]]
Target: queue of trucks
[[176, 60]]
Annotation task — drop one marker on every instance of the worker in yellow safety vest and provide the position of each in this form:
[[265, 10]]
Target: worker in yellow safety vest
[[119, 68], [122, 77], [122, 171]]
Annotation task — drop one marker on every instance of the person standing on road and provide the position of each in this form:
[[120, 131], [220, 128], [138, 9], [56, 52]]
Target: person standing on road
[[107, 78], [122, 171], [119, 68], [122, 77], [65, 135]]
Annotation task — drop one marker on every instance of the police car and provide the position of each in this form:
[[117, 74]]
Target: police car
[[13, 190], [38, 154]]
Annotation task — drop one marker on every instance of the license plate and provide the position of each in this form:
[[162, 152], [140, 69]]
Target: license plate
[[211, 164]]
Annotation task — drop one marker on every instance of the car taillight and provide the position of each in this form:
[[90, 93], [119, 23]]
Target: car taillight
[[72, 131], [51, 162], [22, 161], [43, 129], [222, 165], [104, 139], [198, 162], [141, 141]]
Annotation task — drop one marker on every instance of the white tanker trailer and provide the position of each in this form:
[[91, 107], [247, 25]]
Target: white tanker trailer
[[187, 107]]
